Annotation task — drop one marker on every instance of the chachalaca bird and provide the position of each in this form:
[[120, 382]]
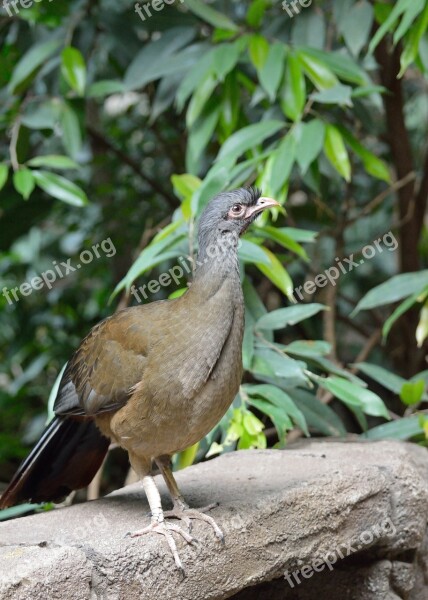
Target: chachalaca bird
[[154, 378]]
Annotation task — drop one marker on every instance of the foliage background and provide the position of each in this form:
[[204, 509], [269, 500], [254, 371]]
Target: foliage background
[[115, 127]]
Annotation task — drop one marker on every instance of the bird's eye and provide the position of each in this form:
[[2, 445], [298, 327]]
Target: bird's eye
[[236, 210]]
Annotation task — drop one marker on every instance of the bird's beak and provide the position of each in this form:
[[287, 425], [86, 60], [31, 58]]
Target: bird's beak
[[261, 204]]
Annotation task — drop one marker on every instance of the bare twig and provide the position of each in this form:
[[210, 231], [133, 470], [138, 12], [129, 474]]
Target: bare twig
[[153, 183], [397, 185], [13, 143]]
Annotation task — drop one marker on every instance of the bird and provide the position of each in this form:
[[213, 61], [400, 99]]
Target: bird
[[153, 378]]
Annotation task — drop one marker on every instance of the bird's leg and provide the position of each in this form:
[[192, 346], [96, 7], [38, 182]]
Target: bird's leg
[[181, 509], [158, 523]]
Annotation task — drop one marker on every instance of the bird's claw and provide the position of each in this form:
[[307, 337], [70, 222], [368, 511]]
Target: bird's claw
[[164, 528], [186, 514]]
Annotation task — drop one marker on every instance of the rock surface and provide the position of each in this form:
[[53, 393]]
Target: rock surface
[[343, 520]]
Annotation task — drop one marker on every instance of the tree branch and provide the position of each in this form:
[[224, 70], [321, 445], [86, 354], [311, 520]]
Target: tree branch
[[153, 183], [388, 59]]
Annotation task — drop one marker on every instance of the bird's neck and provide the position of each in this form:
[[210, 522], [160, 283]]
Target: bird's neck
[[217, 260]]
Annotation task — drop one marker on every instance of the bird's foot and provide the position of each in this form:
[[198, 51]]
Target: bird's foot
[[183, 512], [164, 528]]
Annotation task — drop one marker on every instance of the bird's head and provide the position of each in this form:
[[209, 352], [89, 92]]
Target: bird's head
[[228, 215]]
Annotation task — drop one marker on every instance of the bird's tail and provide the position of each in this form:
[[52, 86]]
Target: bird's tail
[[66, 458]]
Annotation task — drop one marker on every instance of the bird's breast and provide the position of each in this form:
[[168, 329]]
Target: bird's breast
[[167, 417]]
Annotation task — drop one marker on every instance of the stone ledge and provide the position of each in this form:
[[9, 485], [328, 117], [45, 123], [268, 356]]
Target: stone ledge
[[281, 511]]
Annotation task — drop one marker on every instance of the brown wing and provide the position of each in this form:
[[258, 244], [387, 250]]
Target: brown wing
[[108, 362]]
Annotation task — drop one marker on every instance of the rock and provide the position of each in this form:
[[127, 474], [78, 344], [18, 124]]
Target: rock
[[328, 519]]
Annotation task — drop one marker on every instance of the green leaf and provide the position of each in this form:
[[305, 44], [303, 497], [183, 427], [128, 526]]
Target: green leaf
[[310, 139], [368, 90], [164, 96], [409, 16], [213, 184], [210, 15], [73, 69], [336, 152], [252, 424], [174, 229], [186, 457], [394, 289], [355, 396], [4, 170], [256, 13], [422, 328], [294, 90], [30, 63], [54, 161], [53, 394], [60, 188], [200, 70], [143, 264], [324, 364], [303, 236], [341, 65], [201, 96], [271, 365], [41, 114], [282, 163], [357, 26], [161, 248], [280, 318], [372, 164], [248, 342], [411, 48], [339, 94], [251, 252], [253, 304], [270, 73], [307, 349], [178, 293], [23, 182], [318, 416], [184, 187], [388, 380], [18, 511], [281, 400], [411, 392], [107, 87], [162, 57], [413, 7], [247, 138], [199, 136], [277, 274], [400, 310], [422, 375], [230, 105], [278, 235], [258, 49], [240, 173], [278, 416], [225, 57], [71, 136], [401, 429], [317, 71]]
